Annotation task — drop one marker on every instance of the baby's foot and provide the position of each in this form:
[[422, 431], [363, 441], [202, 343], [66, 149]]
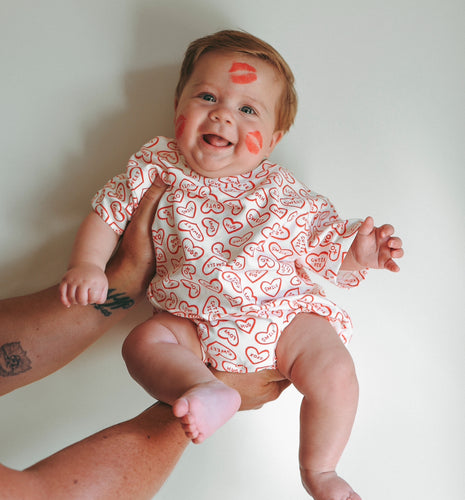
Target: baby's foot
[[205, 408], [327, 486]]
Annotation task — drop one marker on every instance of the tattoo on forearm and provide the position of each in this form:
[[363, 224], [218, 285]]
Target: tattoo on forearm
[[114, 301], [13, 360]]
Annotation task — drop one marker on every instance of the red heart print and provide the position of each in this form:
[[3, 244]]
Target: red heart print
[[188, 271], [171, 302], [299, 243], [166, 213], [251, 248], [234, 301], [271, 288], [255, 356], [317, 261], [254, 276], [210, 206], [214, 285], [218, 349], [189, 311], [137, 177], [160, 256], [212, 264], [158, 236], [232, 368], [279, 252], [192, 229], [254, 218], [238, 263], [229, 334], [279, 211], [194, 288], [238, 241], [176, 197], [117, 211], [191, 251], [212, 307], [234, 279], [170, 157], [249, 296], [218, 249], [246, 325], [259, 197], [265, 261], [173, 243], [234, 205], [188, 211], [268, 337], [231, 226], [277, 231], [211, 225]]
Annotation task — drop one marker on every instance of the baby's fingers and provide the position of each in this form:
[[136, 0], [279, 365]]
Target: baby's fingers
[[390, 265], [386, 230], [64, 294]]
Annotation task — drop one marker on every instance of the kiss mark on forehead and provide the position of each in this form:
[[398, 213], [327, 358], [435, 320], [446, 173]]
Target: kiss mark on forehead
[[242, 73], [179, 126], [254, 142]]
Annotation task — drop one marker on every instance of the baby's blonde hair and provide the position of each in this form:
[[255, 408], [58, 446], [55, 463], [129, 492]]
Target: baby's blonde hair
[[245, 43]]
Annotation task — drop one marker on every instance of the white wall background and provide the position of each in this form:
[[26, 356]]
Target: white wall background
[[380, 130]]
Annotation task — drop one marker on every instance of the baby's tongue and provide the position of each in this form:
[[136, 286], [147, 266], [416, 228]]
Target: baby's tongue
[[216, 140]]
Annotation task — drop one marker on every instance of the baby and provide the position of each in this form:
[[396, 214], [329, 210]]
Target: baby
[[236, 239]]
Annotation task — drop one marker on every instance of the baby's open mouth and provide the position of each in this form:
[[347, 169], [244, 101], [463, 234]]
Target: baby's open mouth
[[216, 140]]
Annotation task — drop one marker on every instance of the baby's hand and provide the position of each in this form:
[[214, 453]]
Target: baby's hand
[[84, 284], [375, 247]]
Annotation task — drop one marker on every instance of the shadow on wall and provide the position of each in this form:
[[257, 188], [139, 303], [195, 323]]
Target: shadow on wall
[[110, 140]]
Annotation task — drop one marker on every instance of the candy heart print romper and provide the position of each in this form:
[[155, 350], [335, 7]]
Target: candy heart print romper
[[235, 254]]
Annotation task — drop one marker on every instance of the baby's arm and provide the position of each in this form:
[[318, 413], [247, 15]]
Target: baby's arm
[[373, 247], [85, 282]]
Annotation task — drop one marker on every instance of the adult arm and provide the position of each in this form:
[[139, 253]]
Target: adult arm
[[128, 460], [39, 335]]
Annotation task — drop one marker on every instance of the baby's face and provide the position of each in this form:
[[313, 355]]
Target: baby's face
[[226, 115]]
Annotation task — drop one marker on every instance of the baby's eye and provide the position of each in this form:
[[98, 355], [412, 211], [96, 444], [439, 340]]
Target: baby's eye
[[208, 97], [248, 110]]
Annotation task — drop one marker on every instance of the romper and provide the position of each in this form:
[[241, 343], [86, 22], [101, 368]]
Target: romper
[[235, 254]]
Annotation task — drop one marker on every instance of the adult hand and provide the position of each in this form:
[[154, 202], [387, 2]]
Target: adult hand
[[255, 389]]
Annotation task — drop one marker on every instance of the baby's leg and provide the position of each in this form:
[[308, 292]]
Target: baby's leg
[[163, 354], [312, 356]]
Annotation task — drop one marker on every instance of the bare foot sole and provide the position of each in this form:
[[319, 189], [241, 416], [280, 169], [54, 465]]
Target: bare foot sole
[[205, 408], [327, 486]]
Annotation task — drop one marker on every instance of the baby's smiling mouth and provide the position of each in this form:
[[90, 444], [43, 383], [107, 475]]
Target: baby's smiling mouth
[[216, 140]]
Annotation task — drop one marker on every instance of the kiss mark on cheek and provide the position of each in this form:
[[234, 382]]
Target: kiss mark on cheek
[[242, 73], [254, 142], [179, 126]]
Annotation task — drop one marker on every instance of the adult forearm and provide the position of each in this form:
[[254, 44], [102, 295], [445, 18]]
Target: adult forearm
[[39, 335], [130, 460]]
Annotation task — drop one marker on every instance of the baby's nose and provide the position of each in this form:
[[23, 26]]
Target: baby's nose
[[221, 114]]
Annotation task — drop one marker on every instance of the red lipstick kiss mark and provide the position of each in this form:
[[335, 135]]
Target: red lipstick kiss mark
[[242, 73], [179, 127], [254, 142]]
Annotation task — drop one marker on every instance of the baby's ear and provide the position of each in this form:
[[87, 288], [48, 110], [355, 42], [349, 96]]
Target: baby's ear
[[275, 138]]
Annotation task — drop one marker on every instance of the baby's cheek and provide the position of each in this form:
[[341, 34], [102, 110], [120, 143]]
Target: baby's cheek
[[179, 126], [254, 142]]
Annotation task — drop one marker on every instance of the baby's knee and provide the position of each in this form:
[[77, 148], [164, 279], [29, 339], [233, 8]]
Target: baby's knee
[[144, 337], [330, 373]]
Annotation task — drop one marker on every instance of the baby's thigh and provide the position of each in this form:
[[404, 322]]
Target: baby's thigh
[[308, 345], [164, 327], [184, 330]]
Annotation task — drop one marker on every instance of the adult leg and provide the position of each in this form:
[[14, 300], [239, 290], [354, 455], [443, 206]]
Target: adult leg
[[312, 356], [163, 354]]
